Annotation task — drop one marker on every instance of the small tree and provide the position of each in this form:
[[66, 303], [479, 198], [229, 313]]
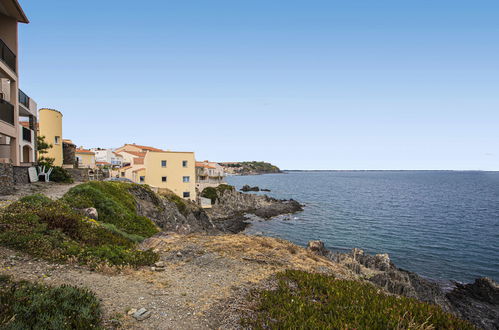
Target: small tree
[[43, 147]]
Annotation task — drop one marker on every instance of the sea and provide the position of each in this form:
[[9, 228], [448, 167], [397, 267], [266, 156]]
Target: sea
[[443, 225]]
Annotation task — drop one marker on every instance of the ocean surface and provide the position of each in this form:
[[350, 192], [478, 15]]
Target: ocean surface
[[442, 225]]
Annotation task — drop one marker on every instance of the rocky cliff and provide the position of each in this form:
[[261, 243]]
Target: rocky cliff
[[231, 205], [249, 168], [476, 302]]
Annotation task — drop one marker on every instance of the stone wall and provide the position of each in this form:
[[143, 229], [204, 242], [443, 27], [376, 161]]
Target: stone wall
[[6, 179], [68, 153], [20, 175], [78, 174]]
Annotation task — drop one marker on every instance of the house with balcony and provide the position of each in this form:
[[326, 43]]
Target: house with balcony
[[209, 174], [17, 141], [85, 158], [108, 156]]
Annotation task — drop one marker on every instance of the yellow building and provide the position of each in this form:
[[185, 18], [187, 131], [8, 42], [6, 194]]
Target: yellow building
[[85, 158], [50, 126], [172, 170]]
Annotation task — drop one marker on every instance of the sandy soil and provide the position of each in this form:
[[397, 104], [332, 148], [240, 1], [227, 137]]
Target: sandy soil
[[201, 277]]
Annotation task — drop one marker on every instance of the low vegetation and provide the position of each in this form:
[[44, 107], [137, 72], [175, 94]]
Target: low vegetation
[[54, 230], [24, 305], [313, 301], [115, 205], [213, 192], [254, 167]]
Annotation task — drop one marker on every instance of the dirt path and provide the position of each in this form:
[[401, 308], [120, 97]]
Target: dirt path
[[201, 273], [50, 189]]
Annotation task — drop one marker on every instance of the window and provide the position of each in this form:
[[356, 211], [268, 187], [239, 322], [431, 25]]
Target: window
[[122, 173], [184, 163], [163, 178], [142, 179], [186, 179], [187, 194], [57, 140], [163, 163]]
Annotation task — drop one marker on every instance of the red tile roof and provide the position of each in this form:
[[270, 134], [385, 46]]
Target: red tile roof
[[84, 151], [143, 147], [203, 165], [135, 153], [102, 163], [138, 161]]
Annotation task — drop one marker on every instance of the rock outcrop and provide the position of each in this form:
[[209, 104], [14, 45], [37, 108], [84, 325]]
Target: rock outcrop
[[477, 302], [188, 218], [230, 207], [247, 188]]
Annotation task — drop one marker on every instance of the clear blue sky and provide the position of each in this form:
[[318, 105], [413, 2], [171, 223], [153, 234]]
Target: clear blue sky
[[304, 84]]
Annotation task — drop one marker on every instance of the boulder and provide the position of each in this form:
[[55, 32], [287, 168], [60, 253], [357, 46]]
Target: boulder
[[249, 188], [141, 314], [317, 247], [91, 212]]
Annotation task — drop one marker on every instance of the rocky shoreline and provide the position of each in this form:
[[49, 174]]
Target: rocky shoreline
[[476, 302]]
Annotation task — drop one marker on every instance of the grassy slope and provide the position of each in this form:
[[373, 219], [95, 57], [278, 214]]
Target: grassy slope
[[33, 306], [313, 301], [54, 230]]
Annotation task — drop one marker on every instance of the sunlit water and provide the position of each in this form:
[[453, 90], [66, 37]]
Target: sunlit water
[[442, 225]]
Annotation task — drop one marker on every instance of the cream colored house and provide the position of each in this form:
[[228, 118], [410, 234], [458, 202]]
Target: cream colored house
[[85, 158], [16, 140], [136, 148], [209, 174], [173, 170]]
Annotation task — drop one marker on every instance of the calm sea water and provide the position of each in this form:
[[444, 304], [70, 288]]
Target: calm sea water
[[442, 225]]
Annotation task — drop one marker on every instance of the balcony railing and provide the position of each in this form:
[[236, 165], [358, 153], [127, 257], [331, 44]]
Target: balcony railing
[[6, 112], [7, 55], [23, 99], [26, 134]]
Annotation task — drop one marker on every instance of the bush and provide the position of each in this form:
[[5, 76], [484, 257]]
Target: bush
[[213, 193], [52, 230], [36, 200], [60, 174], [314, 301], [115, 205], [32, 306]]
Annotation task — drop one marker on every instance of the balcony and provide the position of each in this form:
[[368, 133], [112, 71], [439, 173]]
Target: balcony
[[7, 56], [23, 99], [6, 112], [27, 134]]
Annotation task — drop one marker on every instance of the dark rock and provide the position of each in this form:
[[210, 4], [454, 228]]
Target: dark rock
[[166, 214], [228, 211], [249, 188], [477, 302], [267, 190], [317, 247]]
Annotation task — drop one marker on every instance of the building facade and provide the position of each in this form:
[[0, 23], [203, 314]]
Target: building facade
[[85, 158], [17, 141], [50, 127], [209, 174], [108, 156]]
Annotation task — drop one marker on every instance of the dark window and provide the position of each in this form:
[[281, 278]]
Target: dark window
[[184, 163], [186, 179], [142, 179], [163, 163], [163, 178], [187, 194]]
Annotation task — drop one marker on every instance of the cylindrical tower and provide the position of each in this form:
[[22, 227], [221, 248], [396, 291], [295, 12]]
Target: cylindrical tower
[[50, 122]]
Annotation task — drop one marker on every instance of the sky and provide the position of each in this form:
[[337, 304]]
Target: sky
[[304, 84]]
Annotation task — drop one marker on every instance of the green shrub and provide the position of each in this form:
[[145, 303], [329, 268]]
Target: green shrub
[[213, 193], [54, 231], [314, 301], [60, 174], [36, 200], [115, 205], [32, 306]]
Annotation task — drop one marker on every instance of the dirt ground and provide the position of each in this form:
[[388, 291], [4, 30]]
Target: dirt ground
[[51, 189], [202, 274]]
